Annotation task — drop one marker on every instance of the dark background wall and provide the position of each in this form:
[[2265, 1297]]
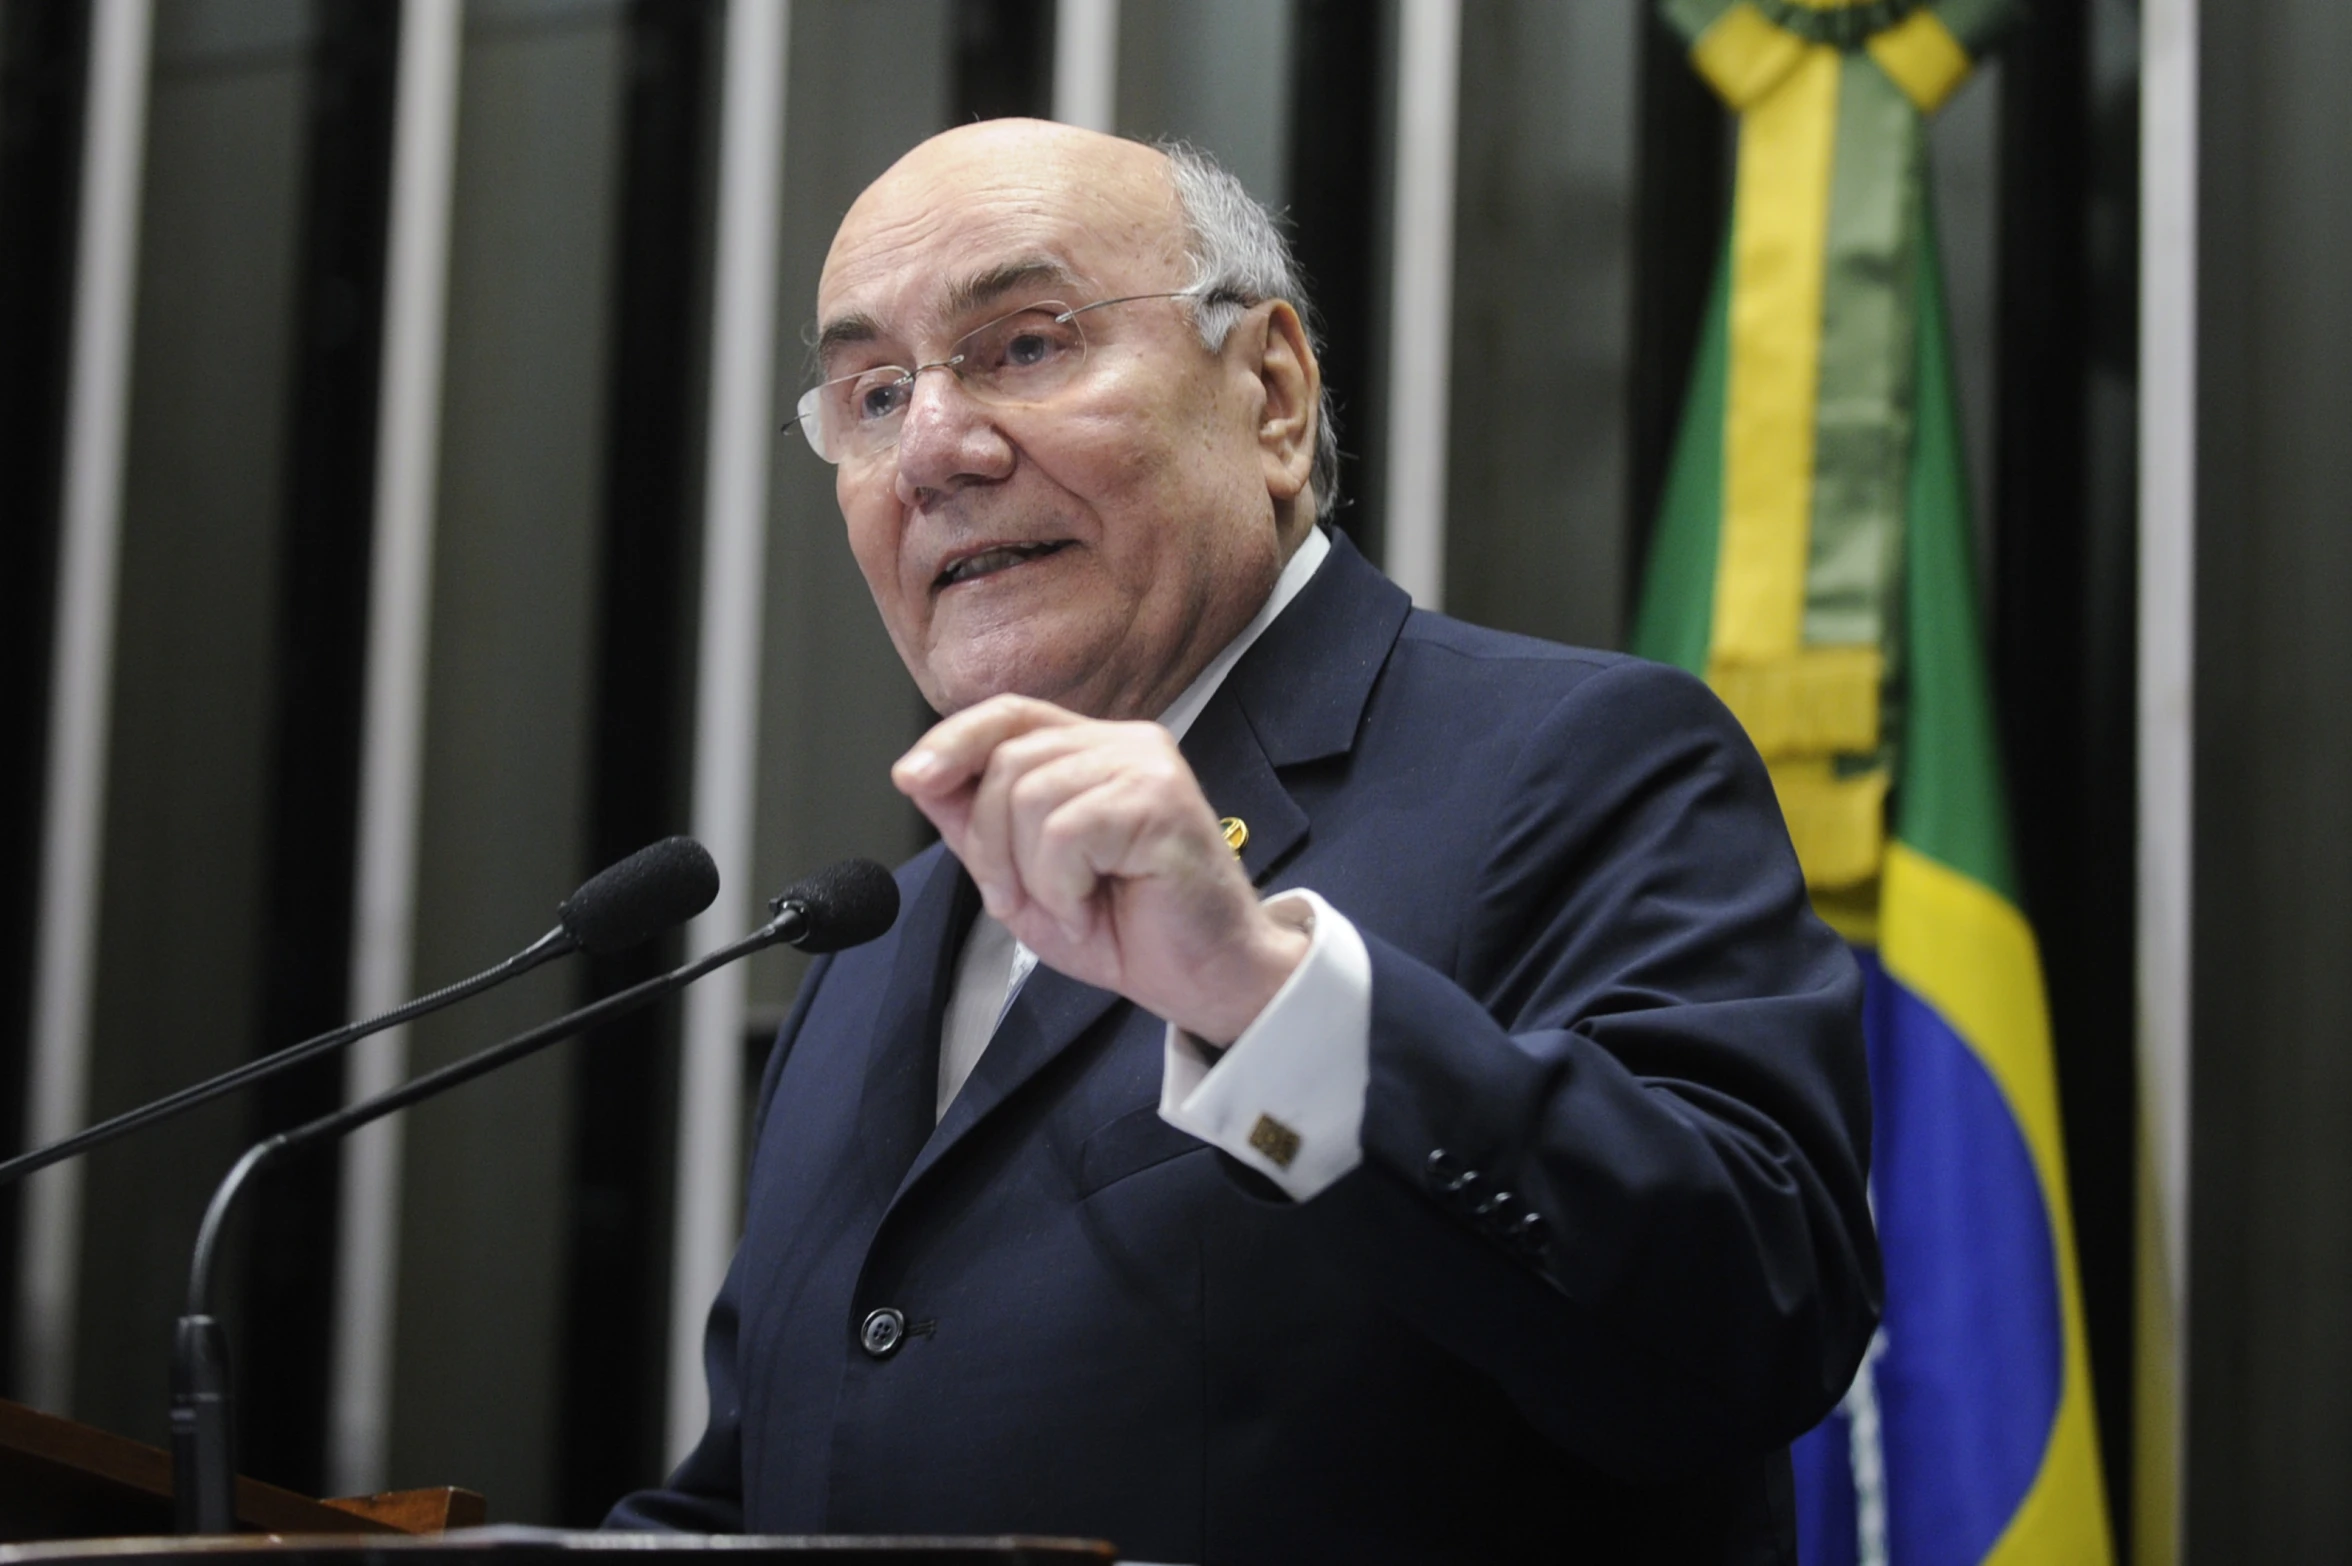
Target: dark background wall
[[179, 952], [2270, 1227], [509, 730]]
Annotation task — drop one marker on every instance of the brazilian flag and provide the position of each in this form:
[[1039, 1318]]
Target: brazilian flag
[[1812, 562]]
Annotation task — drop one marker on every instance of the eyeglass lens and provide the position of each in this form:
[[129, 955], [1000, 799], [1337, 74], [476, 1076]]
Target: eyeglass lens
[[1022, 357]]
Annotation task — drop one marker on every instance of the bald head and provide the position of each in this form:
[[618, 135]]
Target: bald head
[[1078, 200]]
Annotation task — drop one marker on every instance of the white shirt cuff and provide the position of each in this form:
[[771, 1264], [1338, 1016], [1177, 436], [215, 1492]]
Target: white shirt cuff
[[1287, 1098]]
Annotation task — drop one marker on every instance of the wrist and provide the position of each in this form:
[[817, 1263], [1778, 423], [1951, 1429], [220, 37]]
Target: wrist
[[1282, 932]]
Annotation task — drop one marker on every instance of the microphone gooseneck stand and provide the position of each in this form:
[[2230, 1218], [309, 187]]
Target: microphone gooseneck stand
[[555, 943], [660, 886], [203, 1424]]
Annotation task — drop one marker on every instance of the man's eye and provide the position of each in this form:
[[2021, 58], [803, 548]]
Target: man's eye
[[1024, 346], [880, 399], [1026, 350]]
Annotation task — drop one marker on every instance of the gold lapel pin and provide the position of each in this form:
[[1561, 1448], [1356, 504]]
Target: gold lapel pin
[[1236, 832]]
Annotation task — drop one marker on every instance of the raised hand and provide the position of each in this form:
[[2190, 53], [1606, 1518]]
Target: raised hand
[[1094, 845]]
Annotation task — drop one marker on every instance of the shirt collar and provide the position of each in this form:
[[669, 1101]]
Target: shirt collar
[[1301, 566]]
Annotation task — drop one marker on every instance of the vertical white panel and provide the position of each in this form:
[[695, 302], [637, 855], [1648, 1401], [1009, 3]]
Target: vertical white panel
[[408, 443], [2167, 588], [1086, 63], [1421, 296], [2167, 643], [726, 711], [82, 687]]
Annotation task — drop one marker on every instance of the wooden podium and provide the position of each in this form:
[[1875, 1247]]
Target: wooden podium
[[549, 1547], [72, 1494], [62, 1480]]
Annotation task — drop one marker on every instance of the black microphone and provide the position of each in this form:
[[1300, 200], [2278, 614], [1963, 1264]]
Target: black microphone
[[657, 888], [660, 886], [843, 905]]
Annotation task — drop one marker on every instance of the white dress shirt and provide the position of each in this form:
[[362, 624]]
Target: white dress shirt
[[1287, 1097]]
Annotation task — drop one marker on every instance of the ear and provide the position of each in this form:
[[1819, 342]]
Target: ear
[[1292, 383]]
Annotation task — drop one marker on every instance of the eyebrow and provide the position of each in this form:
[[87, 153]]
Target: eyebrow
[[964, 297], [992, 285], [855, 328]]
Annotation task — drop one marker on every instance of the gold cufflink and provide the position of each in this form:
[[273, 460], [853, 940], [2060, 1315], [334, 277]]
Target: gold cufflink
[[1277, 1141], [1236, 832]]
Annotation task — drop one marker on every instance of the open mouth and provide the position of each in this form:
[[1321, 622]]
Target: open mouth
[[990, 561]]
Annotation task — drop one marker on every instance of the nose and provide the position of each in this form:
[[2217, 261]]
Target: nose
[[946, 437]]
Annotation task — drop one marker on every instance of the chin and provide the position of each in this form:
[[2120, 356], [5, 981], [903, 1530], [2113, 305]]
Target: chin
[[1034, 654], [1076, 685], [969, 685]]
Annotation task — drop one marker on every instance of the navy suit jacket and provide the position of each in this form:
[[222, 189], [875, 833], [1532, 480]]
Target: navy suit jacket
[[1596, 986]]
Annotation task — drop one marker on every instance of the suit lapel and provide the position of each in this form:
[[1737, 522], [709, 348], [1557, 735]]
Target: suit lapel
[[901, 1085], [1305, 685], [1046, 1018], [1296, 696]]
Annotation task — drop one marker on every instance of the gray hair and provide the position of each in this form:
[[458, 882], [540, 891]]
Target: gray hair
[[1239, 259]]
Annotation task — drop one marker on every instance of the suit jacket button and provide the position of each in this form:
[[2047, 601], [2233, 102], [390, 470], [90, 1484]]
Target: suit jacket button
[[1441, 1170], [1529, 1233], [882, 1332], [1499, 1212]]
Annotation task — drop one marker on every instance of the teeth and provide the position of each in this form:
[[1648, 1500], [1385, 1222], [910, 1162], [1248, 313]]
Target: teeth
[[989, 560]]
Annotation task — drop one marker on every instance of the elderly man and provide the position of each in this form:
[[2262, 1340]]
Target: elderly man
[[1348, 1085]]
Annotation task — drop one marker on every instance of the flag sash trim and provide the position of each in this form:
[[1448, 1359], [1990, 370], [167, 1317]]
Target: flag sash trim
[[1779, 220], [1920, 55]]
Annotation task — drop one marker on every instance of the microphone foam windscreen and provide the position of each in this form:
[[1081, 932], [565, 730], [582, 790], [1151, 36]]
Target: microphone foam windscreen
[[657, 888], [847, 904]]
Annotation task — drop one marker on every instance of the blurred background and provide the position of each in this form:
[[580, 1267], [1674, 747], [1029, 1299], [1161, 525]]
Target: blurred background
[[376, 569]]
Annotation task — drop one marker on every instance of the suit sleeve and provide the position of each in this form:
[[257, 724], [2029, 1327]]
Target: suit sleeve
[[1616, 1158], [705, 1494]]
